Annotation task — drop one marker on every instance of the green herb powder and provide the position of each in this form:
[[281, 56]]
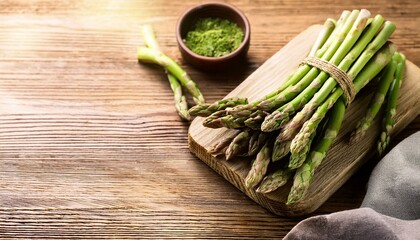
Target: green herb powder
[[214, 37]]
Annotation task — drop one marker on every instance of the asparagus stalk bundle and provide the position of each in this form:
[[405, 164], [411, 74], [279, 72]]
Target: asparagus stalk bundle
[[302, 117], [176, 75]]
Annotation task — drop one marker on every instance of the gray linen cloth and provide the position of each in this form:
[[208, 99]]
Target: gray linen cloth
[[390, 209]]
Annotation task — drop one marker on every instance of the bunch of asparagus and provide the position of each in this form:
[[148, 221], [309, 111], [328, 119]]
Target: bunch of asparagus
[[303, 116], [176, 75]]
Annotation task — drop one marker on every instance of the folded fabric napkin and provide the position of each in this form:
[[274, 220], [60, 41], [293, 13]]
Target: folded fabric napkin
[[394, 185], [390, 209]]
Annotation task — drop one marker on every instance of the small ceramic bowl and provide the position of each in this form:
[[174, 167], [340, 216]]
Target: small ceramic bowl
[[216, 10]]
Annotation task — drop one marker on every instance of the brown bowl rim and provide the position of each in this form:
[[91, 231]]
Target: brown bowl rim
[[227, 56]]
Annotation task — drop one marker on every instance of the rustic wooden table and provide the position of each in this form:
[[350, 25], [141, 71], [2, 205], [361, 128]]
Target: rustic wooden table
[[90, 144]]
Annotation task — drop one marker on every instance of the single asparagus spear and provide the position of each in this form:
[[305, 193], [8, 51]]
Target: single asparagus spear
[[221, 119], [326, 34], [205, 110], [213, 121], [256, 142], [378, 62], [280, 149], [229, 121], [254, 121], [220, 147], [293, 127], [340, 23], [275, 180], [377, 101], [279, 117], [157, 57], [149, 37], [259, 166], [304, 174], [238, 145], [297, 158], [232, 122], [390, 108], [181, 104]]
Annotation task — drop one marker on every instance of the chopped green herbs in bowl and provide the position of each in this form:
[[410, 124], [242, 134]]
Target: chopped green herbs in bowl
[[214, 37]]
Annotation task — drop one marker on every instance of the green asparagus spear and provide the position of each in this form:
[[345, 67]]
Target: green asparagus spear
[[323, 36], [205, 110], [181, 104], [256, 142], [304, 174], [149, 37], [157, 57], [275, 180], [340, 23], [232, 122], [220, 147], [180, 100], [390, 108], [377, 101], [229, 121], [213, 121], [259, 167], [239, 144], [297, 158], [280, 149], [254, 121]]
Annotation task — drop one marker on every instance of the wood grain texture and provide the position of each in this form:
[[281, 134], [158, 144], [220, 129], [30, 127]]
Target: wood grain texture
[[90, 143], [342, 159]]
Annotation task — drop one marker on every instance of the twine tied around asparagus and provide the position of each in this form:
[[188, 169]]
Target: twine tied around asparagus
[[342, 78]]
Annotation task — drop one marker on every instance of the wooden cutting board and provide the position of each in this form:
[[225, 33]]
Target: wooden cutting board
[[342, 160]]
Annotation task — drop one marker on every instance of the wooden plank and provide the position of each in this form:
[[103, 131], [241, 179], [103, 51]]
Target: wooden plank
[[342, 160]]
